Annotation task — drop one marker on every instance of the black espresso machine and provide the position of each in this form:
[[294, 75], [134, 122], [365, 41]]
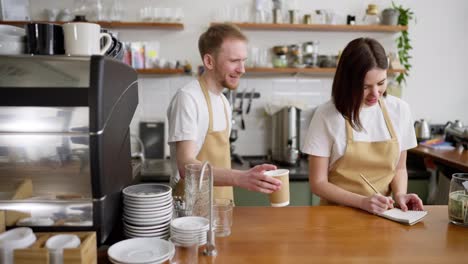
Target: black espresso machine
[[65, 141]]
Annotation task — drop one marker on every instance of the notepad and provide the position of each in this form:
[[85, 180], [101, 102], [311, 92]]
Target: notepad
[[409, 217]]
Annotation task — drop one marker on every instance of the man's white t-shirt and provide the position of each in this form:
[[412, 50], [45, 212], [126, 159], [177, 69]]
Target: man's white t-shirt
[[188, 117], [326, 136]]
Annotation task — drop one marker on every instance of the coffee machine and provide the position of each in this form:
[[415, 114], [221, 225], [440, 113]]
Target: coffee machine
[[65, 141]]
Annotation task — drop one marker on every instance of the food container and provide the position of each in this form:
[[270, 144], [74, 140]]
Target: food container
[[310, 47], [280, 50], [280, 61], [295, 56], [458, 199]]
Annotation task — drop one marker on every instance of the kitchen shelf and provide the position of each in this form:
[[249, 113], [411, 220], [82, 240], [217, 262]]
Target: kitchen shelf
[[304, 70], [160, 71], [320, 27], [106, 24]]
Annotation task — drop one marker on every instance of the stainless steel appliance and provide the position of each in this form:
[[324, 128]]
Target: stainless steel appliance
[[285, 135], [423, 132], [152, 137], [457, 135], [65, 141]]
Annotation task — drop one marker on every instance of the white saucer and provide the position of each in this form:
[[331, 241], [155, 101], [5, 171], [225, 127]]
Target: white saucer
[[162, 226], [146, 207], [149, 190], [141, 250], [165, 197], [189, 223], [147, 222]]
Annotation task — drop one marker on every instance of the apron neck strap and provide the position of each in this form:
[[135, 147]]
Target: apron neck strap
[[387, 119], [210, 108], [349, 129]]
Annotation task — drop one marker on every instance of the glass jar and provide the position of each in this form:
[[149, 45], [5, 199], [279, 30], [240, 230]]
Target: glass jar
[[280, 61], [191, 194], [371, 17], [295, 56], [458, 199]]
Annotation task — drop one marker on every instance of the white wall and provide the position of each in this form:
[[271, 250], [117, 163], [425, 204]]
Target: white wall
[[436, 88]]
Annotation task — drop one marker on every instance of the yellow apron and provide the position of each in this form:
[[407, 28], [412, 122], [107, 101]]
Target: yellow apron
[[215, 149], [375, 160]]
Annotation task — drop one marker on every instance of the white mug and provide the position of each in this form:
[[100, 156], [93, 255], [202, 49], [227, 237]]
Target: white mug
[[83, 39]]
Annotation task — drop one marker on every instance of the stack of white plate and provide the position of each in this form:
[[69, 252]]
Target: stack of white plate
[[147, 210], [189, 230], [141, 250]]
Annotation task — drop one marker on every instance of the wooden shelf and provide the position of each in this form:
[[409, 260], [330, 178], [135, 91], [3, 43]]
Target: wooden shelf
[[319, 27], [303, 70], [160, 71], [106, 24]]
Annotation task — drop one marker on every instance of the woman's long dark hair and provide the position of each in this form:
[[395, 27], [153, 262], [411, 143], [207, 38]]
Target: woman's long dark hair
[[360, 56]]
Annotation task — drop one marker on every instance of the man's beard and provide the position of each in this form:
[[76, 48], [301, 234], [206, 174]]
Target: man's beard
[[225, 84]]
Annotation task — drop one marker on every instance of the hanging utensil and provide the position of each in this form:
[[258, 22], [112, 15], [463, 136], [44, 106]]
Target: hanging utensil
[[241, 108], [233, 106], [250, 101]]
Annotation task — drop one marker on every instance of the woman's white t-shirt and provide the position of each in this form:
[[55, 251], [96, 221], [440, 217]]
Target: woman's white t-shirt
[[326, 136]]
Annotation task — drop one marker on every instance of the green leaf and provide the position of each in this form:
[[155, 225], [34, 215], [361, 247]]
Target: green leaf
[[403, 41]]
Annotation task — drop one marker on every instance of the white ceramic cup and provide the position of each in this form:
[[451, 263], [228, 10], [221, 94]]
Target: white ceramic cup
[[57, 243], [83, 39], [21, 237]]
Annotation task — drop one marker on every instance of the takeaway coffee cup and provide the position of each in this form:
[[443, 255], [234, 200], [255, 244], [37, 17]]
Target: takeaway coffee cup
[[44, 39], [280, 197], [83, 39]]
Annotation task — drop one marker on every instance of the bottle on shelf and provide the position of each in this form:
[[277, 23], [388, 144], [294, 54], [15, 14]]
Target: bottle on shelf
[[372, 15]]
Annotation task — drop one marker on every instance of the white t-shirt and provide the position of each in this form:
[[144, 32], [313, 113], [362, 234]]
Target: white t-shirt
[[326, 136], [188, 117]]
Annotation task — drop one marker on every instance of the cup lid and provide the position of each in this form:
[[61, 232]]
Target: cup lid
[[63, 241]]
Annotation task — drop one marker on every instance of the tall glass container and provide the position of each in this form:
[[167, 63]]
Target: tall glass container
[[191, 194], [458, 199]]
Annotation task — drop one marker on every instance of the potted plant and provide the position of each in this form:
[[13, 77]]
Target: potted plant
[[403, 41]]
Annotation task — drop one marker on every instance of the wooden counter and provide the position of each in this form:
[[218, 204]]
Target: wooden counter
[[457, 158], [332, 234]]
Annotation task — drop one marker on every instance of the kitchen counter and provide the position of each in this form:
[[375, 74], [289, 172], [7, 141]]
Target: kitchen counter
[[152, 170], [335, 234], [160, 170], [457, 158]]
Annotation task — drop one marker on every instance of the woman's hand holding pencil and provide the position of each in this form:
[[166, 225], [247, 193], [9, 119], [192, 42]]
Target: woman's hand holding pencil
[[376, 203]]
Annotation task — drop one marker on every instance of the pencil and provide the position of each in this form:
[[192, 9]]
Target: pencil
[[370, 184]]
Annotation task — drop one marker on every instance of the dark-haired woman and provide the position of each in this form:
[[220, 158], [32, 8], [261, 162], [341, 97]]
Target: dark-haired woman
[[361, 130]]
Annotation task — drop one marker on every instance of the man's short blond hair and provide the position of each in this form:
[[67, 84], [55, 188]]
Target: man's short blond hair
[[211, 40]]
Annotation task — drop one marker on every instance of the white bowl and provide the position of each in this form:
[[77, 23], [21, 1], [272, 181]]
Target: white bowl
[[11, 46], [11, 32]]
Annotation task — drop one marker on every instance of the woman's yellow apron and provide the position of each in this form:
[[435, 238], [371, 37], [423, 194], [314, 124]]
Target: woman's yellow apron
[[375, 160]]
